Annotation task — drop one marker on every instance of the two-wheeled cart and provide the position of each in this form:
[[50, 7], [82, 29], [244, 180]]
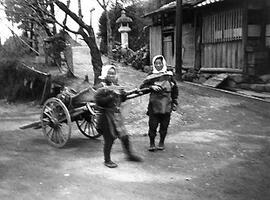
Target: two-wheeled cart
[[58, 113]]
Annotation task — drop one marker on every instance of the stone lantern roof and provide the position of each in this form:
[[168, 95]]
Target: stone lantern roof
[[124, 18]]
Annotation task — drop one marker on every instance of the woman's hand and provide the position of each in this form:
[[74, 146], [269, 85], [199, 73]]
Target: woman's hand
[[174, 107], [156, 88], [123, 95]]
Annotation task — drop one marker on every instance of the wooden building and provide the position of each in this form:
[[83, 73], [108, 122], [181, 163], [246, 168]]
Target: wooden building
[[218, 35]]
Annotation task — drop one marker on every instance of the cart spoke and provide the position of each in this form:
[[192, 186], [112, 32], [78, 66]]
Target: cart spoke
[[88, 128], [93, 129], [53, 136], [94, 121], [83, 122], [60, 136], [55, 139], [85, 126], [48, 114], [50, 132], [46, 120], [56, 122]]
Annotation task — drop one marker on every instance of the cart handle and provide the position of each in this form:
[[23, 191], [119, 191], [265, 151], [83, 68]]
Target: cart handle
[[136, 93]]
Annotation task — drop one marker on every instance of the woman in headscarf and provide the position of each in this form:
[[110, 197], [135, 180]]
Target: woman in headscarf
[[162, 101], [108, 98]]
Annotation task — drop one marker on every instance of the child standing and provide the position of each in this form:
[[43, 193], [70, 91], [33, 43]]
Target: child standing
[[110, 121], [162, 101]]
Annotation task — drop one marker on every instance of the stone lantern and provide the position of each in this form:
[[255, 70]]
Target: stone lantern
[[124, 28]]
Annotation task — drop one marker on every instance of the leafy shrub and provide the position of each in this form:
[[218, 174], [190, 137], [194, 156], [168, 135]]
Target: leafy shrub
[[14, 48], [7, 69]]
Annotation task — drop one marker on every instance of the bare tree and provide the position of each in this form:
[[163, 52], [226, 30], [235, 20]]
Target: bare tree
[[41, 13], [87, 33]]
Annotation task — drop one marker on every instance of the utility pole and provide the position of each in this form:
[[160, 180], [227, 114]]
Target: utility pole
[[91, 10], [178, 22]]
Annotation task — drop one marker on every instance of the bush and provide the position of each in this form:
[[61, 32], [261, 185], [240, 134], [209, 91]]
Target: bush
[[16, 83], [190, 75], [14, 48], [7, 69]]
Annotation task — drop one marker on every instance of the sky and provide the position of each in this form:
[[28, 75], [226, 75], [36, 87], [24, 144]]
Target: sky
[[87, 5]]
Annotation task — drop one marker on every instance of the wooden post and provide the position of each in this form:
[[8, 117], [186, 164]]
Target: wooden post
[[245, 37], [47, 81], [263, 23], [91, 11], [178, 22], [198, 35]]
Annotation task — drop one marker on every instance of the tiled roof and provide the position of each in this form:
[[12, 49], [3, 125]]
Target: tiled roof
[[206, 2], [172, 5]]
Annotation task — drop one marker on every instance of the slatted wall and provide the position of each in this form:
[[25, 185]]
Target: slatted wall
[[155, 41], [222, 40]]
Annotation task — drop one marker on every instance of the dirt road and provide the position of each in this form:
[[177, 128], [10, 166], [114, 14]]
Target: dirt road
[[218, 147]]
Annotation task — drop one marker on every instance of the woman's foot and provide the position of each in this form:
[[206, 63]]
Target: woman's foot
[[152, 148], [134, 158], [110, 164], [160, 146]]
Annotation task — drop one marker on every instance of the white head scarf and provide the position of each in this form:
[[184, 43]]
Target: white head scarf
[[104, 71], [164, 69]]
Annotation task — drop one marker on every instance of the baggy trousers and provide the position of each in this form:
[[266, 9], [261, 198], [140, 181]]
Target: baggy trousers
[[108, 142], [163, 120]]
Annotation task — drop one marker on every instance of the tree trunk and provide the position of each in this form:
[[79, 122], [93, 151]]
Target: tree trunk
[[88, 35], [53, 14], [65, 19], [36, 43], [94, 51], [31, 36], [80, 9]]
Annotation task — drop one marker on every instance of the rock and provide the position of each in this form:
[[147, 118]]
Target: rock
[[202, 79], [265, 78], [244, 86], [147, 69], [237, 78], [196, 81], [216, 80], [206, 76], [231, 83], [267, 87], [257, 87]]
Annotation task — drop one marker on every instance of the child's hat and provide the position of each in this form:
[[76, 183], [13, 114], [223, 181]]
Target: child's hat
[[104, 71]]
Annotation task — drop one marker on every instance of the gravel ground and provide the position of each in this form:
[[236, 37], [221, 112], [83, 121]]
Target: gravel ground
[[217, 148]]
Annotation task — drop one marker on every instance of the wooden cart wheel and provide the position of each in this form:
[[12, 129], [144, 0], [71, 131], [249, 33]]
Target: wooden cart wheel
[[56, 122], [88, 121]]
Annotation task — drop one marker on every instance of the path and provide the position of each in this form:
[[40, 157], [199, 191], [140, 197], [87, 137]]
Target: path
[[217, 148]]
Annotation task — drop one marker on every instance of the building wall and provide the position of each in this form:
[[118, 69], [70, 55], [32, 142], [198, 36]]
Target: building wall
[[155, 41], [162, 42], [221, 46], [188, 48]]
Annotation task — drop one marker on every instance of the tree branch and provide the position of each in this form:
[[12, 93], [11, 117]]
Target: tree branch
[[102, 5], [64, 8]]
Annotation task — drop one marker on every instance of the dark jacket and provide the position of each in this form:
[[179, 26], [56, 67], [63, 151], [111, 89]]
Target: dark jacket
[[161, 102], [110, 120]]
